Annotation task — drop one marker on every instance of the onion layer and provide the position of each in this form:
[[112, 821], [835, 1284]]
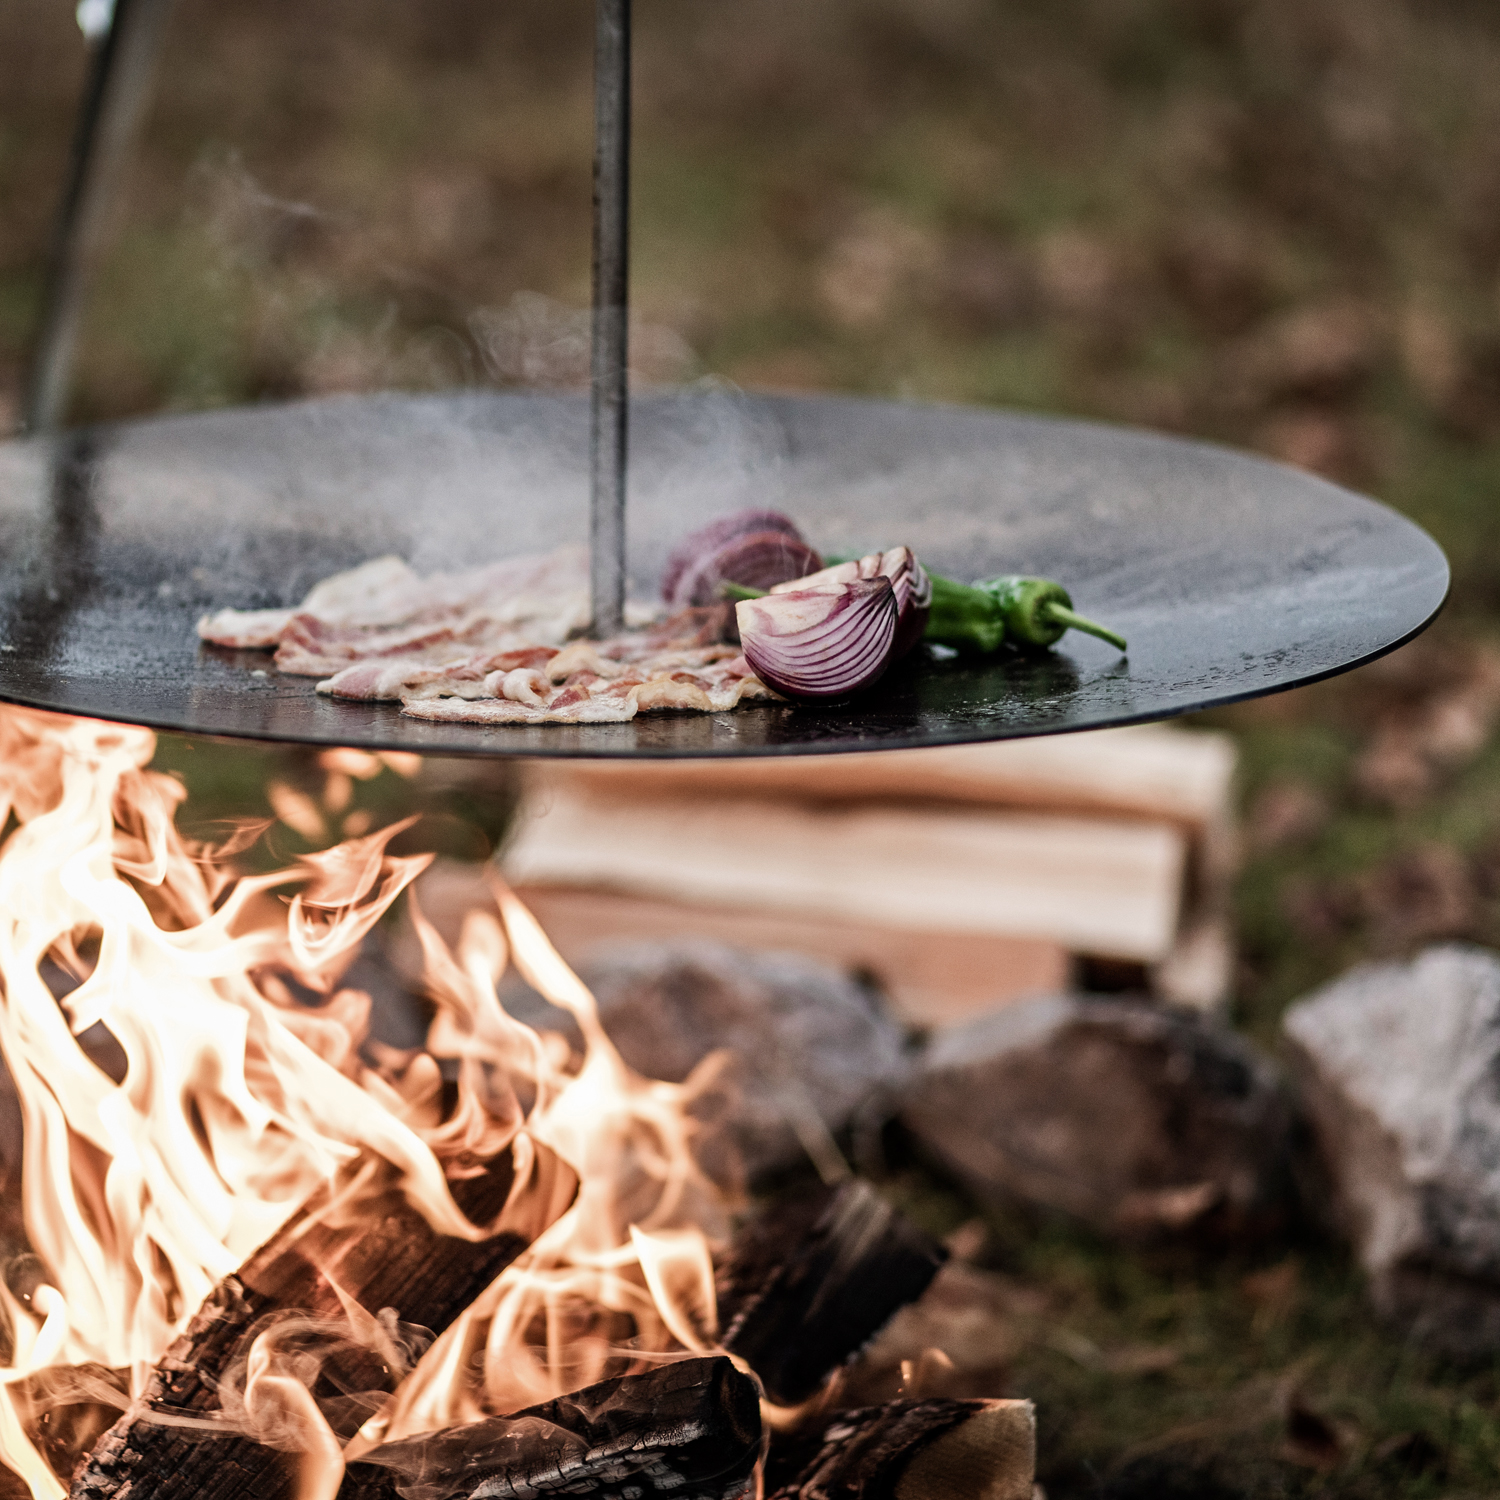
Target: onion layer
[[913, 589], [826, 641], [707, 540], [758, 560]]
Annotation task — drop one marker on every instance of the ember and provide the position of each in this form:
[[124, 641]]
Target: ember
[[259, 1253]]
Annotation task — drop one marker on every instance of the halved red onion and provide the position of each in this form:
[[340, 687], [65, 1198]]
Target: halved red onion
[[822, 642], [707, 540], [758, 561], [913, 597], [913, 589]]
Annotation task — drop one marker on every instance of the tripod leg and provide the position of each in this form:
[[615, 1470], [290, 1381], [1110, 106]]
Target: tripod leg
[[114, 100]]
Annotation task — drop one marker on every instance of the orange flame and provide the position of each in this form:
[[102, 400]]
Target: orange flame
[[238, 1100], [625, 1277]]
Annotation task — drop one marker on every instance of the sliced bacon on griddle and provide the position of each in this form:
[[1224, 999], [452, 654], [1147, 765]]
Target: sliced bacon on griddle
[[543, 596], [245, 629], [694, 679], [392, 678], [495, 645]]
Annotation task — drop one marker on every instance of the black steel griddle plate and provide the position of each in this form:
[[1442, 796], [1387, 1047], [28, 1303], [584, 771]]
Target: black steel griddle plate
[[1231, 576]]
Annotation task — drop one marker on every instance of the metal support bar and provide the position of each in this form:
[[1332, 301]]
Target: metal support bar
[[114, 101], [609, 414]]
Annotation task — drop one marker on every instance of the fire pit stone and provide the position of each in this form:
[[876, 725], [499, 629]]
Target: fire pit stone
[[1398, 1064], [1139, 1120], [814, 1052]]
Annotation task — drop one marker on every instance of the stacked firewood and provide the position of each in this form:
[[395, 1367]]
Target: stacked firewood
[[959, 877], [803, 1287]]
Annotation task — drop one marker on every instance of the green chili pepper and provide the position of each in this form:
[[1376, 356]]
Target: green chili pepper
[[979, 617], [1038, 611], [968, 618]]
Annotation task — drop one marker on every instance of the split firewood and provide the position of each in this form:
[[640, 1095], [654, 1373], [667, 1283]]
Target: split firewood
[[182, 1439], [812, 1280], [689, 1429], [911, 1450]]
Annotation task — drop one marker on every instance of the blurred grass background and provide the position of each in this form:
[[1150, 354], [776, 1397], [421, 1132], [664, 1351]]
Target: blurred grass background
[[1270, 222]]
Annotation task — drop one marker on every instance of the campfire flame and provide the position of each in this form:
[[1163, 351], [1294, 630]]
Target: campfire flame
[[205, 1071]]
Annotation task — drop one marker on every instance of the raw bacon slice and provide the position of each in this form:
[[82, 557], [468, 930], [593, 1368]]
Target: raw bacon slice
[[388, 678], [392, 678], [586, 683], [495, 645], [384, 583], [503, 711], [543, 596], [309, 648], [245, 629], [585, 668], [607, 708]]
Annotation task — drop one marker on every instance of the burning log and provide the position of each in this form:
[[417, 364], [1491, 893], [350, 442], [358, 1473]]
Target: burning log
[[812, 1280], [911, 1450], [323, 1269], [64, 1410], [691, 1428]]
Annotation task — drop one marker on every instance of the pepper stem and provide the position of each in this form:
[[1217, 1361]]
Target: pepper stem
[[739, 591], [1060, 614]]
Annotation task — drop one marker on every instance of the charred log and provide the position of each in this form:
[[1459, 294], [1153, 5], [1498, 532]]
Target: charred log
[[690, 1430], [813, 1279], [911, 1450], [174, 1443], [65, 1409]]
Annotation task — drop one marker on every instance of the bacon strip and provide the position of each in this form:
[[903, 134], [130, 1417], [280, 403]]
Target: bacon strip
[[543, 597], [656, 682], [493, 645], [245, 629]]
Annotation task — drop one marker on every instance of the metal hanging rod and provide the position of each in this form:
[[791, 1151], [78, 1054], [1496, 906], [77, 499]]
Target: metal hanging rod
[[609, 412]]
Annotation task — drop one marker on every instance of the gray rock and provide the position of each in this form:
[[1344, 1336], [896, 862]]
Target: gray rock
[[1400, 1067], [814, 1053], [1137, 1120]]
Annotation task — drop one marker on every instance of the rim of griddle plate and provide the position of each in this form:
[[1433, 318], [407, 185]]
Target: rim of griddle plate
[[1232, 576]]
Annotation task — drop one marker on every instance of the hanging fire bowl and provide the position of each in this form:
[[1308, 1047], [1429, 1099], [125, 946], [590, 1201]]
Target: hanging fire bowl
[[1231, 576]]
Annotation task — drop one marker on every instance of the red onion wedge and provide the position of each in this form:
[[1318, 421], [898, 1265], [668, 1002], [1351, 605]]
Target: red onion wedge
[[822, 642], [707, 540], [758, 561], [913, 589]]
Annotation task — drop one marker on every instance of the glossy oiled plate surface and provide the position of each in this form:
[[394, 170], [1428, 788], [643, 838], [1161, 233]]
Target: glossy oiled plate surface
[[1231, 576]]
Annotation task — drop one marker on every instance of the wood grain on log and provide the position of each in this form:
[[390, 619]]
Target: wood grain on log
[[690, 1430], [935, 969], [1096, 885], [911, 1450], [1146, 771], [386, 1256], [813, 1279]]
